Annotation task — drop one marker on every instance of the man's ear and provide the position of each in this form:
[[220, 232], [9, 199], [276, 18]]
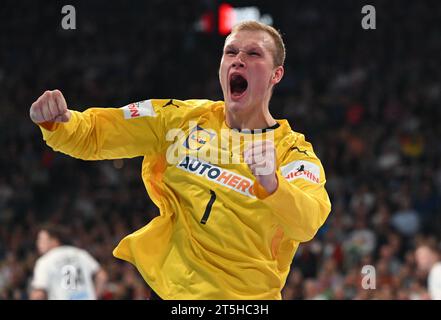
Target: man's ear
[[277, 75]]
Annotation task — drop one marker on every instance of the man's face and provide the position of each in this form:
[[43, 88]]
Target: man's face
[[44, 242], [424, 258], [247, 72]]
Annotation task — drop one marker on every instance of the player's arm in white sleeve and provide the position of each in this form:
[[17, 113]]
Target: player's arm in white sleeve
[[434, 282], [40, 282], [100, 276]]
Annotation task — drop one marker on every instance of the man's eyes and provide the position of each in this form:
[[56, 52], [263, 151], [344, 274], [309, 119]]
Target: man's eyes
[[250, 53]]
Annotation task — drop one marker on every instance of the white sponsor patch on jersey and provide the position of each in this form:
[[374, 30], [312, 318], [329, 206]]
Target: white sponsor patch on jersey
[[301, 169], [139, 109], [224, 177]]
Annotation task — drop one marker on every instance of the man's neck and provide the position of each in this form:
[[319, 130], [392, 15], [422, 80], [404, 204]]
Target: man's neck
[[255, 120]]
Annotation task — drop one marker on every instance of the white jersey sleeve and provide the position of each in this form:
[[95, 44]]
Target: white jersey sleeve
[[41, 275], [90, 262], [434, 282]]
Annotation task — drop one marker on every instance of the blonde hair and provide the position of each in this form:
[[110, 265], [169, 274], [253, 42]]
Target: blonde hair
[[279, 47]]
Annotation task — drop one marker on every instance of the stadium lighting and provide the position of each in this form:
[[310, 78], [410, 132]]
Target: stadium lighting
[[228, 16]]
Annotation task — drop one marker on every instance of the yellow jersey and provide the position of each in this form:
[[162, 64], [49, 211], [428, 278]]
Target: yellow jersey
[[219, 234]]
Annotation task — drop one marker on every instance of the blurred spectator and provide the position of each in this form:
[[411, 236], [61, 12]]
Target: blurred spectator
[[429, 261], [406, 220]]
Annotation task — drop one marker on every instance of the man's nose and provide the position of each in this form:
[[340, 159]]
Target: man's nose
[[239, 60]]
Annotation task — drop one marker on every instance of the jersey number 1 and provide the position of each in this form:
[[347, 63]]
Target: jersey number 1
[[208, 208]]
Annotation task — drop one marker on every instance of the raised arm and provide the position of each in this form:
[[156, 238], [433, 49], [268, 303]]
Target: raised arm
[[99, 133], [50, 107]]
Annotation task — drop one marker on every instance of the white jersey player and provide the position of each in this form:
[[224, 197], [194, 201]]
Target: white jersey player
[[65, 272]]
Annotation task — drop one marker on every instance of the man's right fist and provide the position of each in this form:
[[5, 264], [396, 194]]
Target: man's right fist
[[50, 107]]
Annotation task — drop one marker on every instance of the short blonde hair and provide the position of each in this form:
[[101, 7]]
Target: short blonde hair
[[279, 47]]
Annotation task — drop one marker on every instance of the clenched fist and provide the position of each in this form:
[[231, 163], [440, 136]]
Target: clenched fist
[[50, 107], [261, 159]]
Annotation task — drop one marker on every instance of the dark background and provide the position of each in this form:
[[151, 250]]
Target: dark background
[[368, 101]]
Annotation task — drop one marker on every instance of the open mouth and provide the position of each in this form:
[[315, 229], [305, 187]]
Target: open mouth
[[238, 85]]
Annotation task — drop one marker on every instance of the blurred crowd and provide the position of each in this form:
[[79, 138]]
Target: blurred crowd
[[368, 101]]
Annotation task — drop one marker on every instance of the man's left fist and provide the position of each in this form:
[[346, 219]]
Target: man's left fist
[[261, 159]]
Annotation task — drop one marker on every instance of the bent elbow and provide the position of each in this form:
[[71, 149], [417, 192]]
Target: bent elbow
[[318, 218]]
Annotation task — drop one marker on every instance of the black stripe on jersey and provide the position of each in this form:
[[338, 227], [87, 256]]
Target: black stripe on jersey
[[301, 151], [208, 208]]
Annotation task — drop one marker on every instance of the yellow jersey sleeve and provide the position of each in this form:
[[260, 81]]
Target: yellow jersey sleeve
[[300, 202], [138, 129]]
